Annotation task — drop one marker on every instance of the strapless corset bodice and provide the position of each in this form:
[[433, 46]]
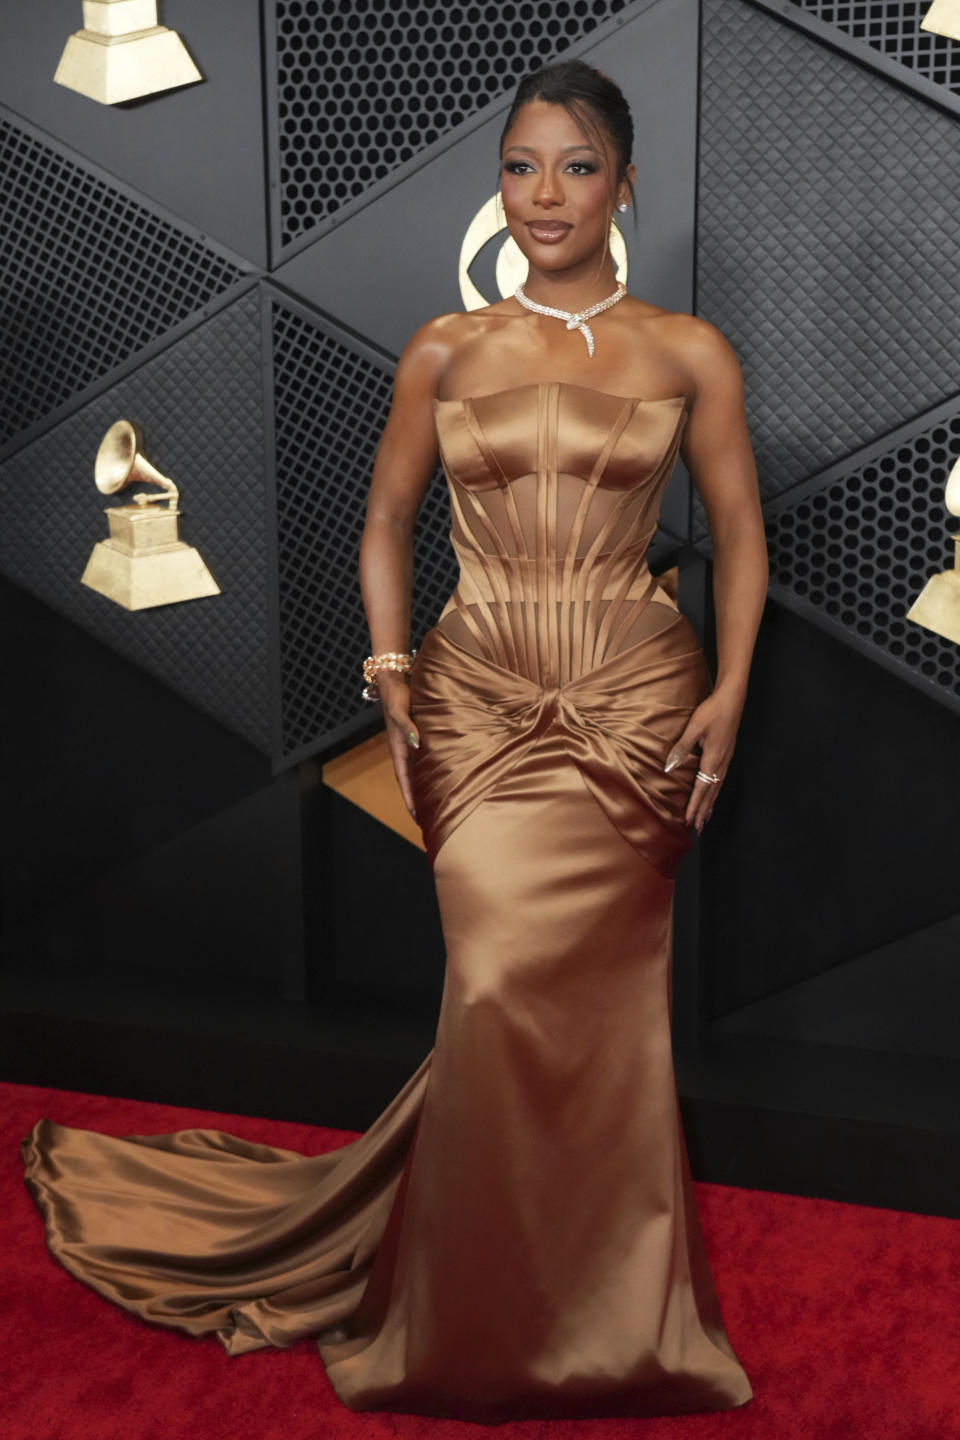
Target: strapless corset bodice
[[614, 441], [555, 492]]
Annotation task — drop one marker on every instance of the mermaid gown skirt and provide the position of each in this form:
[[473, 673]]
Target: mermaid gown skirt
[[516, 1235]]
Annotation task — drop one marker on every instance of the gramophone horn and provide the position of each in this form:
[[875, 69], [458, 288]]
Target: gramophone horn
[[120, 461]]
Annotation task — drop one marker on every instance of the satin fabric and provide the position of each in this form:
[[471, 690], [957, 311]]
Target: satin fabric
[[516, 1235]]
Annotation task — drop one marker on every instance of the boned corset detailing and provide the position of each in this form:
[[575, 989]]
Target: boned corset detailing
[[553, 428], [583, 571], [555, 493]]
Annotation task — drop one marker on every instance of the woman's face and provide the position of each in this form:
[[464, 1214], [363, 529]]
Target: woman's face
[[557, 188]]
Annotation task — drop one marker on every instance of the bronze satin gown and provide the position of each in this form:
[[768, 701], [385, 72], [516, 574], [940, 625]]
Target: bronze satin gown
[[516, 1235]]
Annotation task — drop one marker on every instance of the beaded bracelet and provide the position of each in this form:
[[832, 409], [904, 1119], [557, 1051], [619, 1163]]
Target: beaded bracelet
[[389, 660]]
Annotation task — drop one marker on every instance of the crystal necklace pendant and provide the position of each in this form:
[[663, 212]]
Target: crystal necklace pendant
[[576, 320]]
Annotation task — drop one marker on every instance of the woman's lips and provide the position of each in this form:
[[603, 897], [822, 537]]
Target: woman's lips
[[548, 234]]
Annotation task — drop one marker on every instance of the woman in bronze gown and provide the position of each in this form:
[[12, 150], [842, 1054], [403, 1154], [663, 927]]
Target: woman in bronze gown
[[516, 1235]]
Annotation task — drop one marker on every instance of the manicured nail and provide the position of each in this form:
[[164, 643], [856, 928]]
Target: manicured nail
[[412, 737], [672, 759]]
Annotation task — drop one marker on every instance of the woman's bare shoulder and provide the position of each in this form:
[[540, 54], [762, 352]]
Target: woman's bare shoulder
[[454, 328], [699, 347], [425, 356], [447, 340], [695, 335]]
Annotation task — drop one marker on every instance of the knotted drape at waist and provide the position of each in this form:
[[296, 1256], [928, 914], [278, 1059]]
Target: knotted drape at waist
[[617, 722]]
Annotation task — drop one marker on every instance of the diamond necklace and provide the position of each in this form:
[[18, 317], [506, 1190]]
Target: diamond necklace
[[578, 320]]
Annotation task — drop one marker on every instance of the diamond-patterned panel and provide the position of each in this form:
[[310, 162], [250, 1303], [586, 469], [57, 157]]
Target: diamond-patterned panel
[[893, 28], [861, 549], [365, 85], [199, 404], [331, 406], [89, 277], [828, 244]]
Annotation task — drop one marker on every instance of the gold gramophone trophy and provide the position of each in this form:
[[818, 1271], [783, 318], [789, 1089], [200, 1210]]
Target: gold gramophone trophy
[[144, 562], [937, 607]]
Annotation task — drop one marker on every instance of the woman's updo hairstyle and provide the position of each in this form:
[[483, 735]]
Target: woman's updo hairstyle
[[588, 96]]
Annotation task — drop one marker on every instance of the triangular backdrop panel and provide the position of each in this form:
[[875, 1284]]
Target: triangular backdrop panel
[[362, 91], [331, 405], [199, 403], [197, 150], [891, 28], [828, 245], [90, 276], [858, 549]]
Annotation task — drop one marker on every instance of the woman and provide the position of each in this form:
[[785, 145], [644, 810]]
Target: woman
[[516, 1235]]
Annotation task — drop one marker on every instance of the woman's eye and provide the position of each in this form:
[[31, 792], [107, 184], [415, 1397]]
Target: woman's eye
[[578, 165]]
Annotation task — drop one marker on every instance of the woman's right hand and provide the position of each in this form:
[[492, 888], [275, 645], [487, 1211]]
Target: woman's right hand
[[403, 736]]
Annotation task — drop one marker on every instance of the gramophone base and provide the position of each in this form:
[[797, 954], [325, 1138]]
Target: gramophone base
[[138, 582], [937, 607], [113, 69]]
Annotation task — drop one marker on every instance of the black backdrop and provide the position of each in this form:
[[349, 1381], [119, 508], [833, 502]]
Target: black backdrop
[[235, 265]]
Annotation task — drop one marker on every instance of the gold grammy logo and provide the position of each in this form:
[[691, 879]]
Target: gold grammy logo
[[511, 268]]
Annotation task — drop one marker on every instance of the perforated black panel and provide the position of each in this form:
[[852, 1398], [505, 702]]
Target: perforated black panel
[[862, 549], [893, 28], [331, 407], [366, 84], [88, 277], [200, 406], [813, 172]]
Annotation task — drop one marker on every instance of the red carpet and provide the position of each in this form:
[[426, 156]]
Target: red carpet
[[846, 1319]]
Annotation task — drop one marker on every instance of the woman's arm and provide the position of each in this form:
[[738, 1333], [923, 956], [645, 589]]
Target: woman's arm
[[716, 449], [406, 458]]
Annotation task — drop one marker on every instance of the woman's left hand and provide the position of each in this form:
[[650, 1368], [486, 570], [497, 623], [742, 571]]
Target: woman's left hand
[[713, 726]]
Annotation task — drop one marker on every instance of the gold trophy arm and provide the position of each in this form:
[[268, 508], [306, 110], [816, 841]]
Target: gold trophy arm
[[143, 470]]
